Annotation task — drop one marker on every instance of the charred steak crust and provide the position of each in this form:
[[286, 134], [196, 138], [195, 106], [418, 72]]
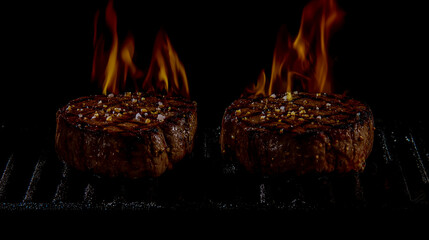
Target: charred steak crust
[[130, 135], [299, 132]]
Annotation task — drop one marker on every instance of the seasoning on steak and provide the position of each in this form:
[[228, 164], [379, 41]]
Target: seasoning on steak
[[130, 135], [298, 132]]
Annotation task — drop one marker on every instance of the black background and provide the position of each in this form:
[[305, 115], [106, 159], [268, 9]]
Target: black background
[[380, 53]]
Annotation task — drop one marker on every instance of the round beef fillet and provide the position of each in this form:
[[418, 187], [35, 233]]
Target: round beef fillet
[[299, 132], [130, 135]]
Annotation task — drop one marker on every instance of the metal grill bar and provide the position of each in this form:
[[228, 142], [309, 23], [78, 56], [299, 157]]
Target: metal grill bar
[[61, 195], [396, 176], [35, 179], [418, 159], [5, 178], [386, 152], [89, 196]]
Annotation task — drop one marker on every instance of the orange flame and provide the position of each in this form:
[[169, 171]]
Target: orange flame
[[166, 73], [304, 60], [107, 68], [259, 88]]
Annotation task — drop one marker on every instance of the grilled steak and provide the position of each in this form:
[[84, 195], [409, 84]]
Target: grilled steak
[[299, 132], [131, 135]]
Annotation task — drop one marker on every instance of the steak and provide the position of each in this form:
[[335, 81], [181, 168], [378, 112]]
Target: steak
[[298, 132], [131, 135]]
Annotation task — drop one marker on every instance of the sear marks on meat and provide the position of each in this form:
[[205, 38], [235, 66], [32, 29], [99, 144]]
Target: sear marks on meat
[[299, 132], [131, 135]]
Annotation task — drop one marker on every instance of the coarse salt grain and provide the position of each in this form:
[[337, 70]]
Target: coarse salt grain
[[138, 116], [95, 115], [160, 117]]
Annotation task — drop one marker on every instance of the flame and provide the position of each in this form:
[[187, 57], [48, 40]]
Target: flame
[[259, 88], [166, 74], [305, 59], [107, 68]]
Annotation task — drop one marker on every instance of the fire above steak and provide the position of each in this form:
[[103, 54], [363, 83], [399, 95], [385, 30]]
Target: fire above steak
[[299, 132], [131, 135]]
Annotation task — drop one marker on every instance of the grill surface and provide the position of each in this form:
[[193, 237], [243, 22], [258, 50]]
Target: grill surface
[[396, 178]]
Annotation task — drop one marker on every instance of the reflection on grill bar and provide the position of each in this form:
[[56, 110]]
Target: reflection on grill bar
[[89, 196], [5, 177], [396, 176], [33, 186], [384, 146], [61, 193], [418, 159]]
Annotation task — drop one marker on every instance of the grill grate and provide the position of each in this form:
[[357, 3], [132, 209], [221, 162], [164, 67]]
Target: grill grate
[[396, 177]]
